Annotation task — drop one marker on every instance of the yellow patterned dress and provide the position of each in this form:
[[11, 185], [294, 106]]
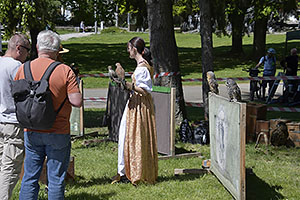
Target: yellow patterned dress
[[140, 146]]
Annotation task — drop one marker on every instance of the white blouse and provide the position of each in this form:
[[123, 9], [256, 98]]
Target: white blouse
[[143, 78]]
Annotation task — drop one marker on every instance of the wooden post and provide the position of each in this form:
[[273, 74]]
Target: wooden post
[[81, 109], [0, 39], [243, 151], [172, 117]]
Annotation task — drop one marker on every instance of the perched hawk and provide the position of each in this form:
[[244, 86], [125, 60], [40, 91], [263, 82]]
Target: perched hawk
[[212, 82], [280, 134], [234, 91], [111, 73]]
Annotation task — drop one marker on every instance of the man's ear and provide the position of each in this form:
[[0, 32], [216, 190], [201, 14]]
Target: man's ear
[[18, 47]]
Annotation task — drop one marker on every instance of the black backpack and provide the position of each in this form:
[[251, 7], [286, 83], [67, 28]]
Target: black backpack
[[186, 132], [201, 133], [33, 101]]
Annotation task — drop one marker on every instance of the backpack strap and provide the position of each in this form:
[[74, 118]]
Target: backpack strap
[[49, 70], [61, 105], [27, 71], [46, 75]]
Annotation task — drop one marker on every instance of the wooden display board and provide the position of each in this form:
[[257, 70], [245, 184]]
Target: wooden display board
[[227, 128], [76, 117], [164, 103]]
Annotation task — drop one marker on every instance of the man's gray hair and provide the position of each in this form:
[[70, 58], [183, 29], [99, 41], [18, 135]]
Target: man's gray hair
[[48, 41], [293, 51], [17, 39]]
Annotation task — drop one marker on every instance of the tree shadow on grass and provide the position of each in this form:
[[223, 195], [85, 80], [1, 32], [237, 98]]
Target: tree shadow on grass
[[81, 182], [95, 57], [87, 196], [181, 150], [256, 188], [181, 177], [93, 118]]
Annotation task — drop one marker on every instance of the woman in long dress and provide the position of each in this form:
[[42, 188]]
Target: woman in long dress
[[137, 147]]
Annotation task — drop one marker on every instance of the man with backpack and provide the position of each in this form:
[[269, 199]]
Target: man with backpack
[[269, 62], [11, 134], [52, 144]]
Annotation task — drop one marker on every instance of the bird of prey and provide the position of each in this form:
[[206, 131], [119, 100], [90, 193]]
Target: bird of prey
[[234, 91], [212, 82], [280, 134], [111, 73]]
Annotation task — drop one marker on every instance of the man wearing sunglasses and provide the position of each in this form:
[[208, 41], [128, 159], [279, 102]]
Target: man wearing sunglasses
[[11, 134]]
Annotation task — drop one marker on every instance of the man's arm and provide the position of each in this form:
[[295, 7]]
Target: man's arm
[[260, 62], [75, 99]]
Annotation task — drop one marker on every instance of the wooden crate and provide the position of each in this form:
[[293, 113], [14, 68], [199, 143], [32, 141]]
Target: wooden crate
[[293, 126], [254, 112], [71, 170], [43, 178], [295, 137], [294, 132], [262, 126]]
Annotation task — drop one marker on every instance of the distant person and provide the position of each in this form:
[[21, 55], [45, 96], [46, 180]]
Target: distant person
[[54, 143], [269, 63], [290, 66], [11, 134], [290, 63], [82, 26]]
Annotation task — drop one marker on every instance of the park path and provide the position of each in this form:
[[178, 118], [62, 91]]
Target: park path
[[192, 94], [74, 35]]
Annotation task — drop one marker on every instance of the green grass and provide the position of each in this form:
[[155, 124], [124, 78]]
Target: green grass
[[276, 171], [276, 176], [94, 53], [65, 30]]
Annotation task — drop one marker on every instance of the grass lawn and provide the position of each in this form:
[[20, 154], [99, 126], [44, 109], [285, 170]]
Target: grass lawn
[[275, 172], [94, 53]]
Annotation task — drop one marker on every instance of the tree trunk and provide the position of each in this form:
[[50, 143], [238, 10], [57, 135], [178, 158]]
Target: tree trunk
[[237, 21], [259, 40], [33, 35], [164, 49], [206, 49]]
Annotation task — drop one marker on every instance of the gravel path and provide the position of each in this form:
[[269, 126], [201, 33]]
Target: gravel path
[[74, 35]]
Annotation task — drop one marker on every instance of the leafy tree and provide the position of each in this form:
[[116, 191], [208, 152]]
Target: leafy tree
[[37, 16], [85, 10], [24, 15], [265, 10], [184, 8], [137, 8]]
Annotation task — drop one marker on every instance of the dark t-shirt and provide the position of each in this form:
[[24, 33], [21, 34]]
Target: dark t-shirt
[[291, 65]]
